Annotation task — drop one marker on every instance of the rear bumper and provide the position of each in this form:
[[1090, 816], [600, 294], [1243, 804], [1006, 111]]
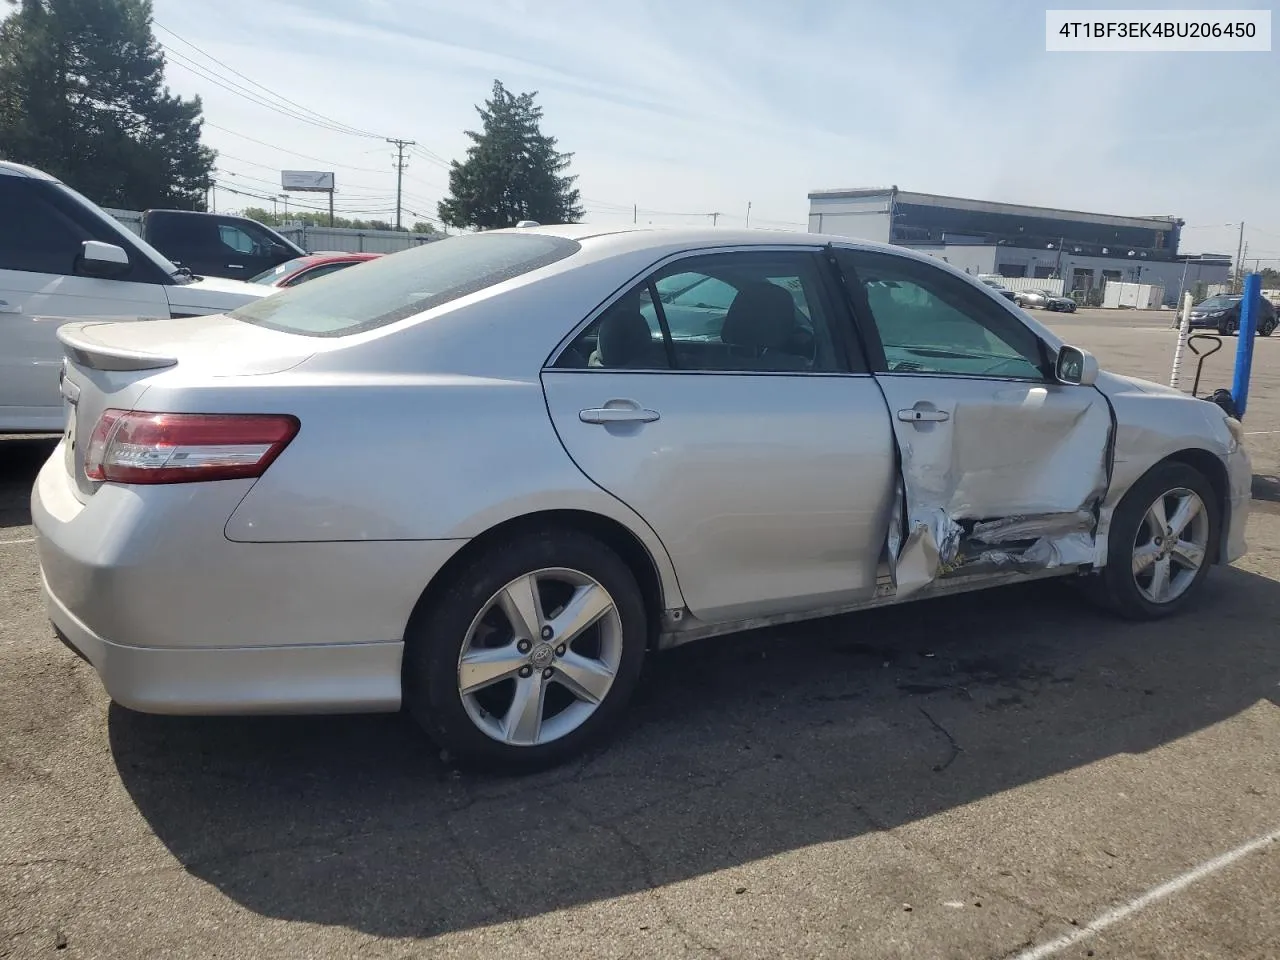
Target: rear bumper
[[332, 678], [175, 618]]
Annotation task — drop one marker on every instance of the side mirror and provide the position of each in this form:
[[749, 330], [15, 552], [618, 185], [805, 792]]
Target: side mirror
[[1076, 366], [104, 260]]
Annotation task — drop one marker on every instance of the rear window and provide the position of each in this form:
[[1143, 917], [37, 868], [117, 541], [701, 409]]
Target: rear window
[[391, 288], [275, 273]]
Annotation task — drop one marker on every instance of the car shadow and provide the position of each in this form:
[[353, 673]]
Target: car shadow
[[736, 750], [20, 460]]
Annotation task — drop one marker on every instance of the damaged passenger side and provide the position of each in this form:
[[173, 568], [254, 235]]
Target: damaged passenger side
[[1004, 459]]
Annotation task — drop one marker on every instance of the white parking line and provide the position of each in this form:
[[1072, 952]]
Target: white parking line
[[9, 543], [1259, 433], [1151, 896]]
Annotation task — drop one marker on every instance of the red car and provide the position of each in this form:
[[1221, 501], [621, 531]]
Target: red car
[[301, 269]]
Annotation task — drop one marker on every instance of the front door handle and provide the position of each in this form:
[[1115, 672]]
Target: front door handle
[[618, 411], [913, 415], [7, 307]]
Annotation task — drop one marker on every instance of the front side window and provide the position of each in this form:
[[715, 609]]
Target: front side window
[[932, 322], [392, 288], [748, 312], [235, 238], [34, 235]]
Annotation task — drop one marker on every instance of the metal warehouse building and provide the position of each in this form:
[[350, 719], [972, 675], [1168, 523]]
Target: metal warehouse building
[[1082, 250]]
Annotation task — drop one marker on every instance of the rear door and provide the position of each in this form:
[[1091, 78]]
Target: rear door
[[1003, 466], [718, 398]]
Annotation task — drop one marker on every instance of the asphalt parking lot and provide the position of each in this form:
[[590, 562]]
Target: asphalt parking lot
[[959, 778]]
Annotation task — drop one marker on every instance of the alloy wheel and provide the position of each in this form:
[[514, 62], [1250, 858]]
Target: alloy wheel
[[1171, 545], [540, 657]]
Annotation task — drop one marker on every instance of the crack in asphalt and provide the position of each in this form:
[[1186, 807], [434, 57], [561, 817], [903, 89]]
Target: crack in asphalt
[[955, 747]]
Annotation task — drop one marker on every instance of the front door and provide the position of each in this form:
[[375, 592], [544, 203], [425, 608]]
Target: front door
[[40, 240], [718, 400], [1003, 466]]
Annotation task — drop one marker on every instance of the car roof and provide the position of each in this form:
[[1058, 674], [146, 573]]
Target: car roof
[[629, 239], [10, 169]]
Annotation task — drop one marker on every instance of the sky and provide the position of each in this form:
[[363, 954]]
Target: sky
[[683, 108]]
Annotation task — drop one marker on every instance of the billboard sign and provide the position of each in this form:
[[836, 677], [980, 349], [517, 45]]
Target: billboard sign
[[314, 180]]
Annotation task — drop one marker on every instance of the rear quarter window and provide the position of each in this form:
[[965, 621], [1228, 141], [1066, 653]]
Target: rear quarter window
[[392, 288]]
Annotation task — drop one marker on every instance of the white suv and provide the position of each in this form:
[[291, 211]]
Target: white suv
[[61, 259]]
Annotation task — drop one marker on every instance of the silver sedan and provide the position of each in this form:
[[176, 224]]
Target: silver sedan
[[486, 478]]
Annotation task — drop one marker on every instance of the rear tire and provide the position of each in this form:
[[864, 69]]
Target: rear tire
[[1267, 328], [1140, 559], [467, 631]]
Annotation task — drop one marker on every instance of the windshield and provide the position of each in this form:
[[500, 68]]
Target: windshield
[[283, 270], [992, 283], [1218, 303], [403, 284], [127, 237]]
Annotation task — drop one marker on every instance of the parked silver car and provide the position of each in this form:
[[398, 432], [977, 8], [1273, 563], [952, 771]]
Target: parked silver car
[[1031, 298], [486, 477]]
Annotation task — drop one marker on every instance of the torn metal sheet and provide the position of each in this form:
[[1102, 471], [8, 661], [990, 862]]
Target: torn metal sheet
[[929, 551], [1073, 549], [1010, 529], [1012, 482]]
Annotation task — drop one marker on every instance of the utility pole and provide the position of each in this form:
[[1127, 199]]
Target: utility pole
[[1240, 254], [635, 213], [748, 213], [715, 218], [400, 165]]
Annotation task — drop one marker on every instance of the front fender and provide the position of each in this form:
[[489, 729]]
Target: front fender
[[1155, 423]]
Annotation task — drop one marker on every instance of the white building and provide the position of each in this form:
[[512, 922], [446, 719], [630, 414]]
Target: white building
[[1085, 250]]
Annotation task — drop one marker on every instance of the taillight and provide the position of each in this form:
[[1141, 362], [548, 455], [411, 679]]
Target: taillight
[[140, 447]]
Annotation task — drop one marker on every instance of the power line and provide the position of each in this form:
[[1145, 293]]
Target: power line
[[430, 156], [231, 86], [344, 127], [295, 153], [298, 205]]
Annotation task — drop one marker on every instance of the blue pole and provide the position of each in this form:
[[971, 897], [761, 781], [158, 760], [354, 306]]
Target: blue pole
[[1244, 349]]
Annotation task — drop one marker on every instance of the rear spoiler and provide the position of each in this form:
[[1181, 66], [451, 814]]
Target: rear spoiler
[[87, 352]]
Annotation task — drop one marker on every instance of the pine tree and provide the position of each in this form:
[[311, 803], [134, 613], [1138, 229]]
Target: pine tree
[[82, 97], [513, 171]]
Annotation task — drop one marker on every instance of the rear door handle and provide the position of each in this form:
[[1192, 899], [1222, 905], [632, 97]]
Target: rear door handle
[[235, 266], [618, 411], [912, 415], [7, 307]]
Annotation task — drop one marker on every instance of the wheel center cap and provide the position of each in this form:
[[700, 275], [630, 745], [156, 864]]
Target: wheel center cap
[[541, 655]]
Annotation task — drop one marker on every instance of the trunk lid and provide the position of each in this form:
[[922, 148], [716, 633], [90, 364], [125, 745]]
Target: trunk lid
[[113, 364]]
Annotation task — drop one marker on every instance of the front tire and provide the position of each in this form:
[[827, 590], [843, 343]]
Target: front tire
[[529, 654], [1161, 543], [1267, 328]]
